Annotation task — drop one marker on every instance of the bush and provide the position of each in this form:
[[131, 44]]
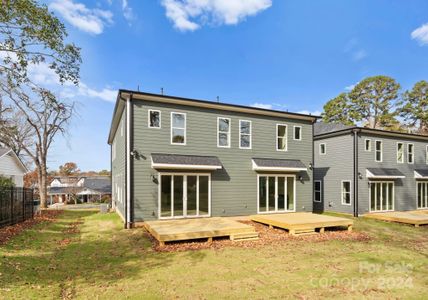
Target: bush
[[6, 183]]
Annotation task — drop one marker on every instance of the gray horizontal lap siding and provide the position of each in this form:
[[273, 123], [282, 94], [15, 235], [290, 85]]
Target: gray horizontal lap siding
[[405, 189], [333, 167], [234, 189], [118, 167]]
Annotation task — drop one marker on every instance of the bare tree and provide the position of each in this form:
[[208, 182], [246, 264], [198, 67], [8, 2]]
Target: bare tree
[[43, 117]]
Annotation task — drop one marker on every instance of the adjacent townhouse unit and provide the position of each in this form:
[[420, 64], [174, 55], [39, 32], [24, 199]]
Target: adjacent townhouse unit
[[361, 170], [85, 188], [12, 167], [183, 158]]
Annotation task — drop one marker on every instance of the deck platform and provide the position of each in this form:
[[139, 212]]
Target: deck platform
[[302, 222], [188, 229], [406, 217]]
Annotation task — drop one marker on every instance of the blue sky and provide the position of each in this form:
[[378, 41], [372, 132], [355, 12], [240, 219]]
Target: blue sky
[[287, 55]]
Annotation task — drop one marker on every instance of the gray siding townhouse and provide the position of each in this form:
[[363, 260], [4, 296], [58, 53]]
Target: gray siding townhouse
[[183, 158], [361, 170]]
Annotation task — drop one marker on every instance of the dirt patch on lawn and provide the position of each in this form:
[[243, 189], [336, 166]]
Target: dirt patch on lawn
[[6, 233], [267, 236]]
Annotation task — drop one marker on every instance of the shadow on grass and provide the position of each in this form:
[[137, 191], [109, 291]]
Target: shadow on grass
[[54, 253]]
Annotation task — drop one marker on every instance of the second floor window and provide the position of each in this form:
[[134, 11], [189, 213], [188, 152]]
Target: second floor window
[[281, 137], [410, 153], [223, 132], [244, 134], [297, 133], [154, 119], [368, 145], [400, 153], [178, 128], [426, 154], [323, 149], [378, 151]]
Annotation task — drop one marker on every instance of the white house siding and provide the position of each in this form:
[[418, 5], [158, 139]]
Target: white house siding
[[10, 167]]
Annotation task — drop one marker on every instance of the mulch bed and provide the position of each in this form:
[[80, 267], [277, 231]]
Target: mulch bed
[[6, 233], [267, 236]]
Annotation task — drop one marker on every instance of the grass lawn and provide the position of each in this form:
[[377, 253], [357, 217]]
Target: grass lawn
[[85, 253]]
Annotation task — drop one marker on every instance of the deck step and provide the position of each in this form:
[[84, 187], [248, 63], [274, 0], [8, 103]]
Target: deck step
[[304, 231], [251, 236]]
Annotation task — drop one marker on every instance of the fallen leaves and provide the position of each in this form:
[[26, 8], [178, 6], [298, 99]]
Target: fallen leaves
[[267, 236], [8, 232]]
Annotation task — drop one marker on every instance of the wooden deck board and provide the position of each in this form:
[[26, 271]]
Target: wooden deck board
[[302, 221], [187, 229], [407, 217]]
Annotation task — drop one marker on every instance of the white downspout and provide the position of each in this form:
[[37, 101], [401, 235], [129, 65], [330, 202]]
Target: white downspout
[[128, 161]]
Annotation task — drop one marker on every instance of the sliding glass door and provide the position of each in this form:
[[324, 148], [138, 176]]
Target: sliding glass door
[[184, 195], [276, 193], [381, 196], [422, 194]]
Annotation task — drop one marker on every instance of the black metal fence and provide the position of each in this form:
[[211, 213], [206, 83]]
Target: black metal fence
[[16, 205]]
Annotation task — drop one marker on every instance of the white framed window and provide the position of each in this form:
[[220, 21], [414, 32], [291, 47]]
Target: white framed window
[[154, 118], [281, 137], [368, 145], [178, 128], [113, 150], [378, 151], [317, 190], [400, 153], [223, 132], [381, 196], [410, 153], [346, 192], [276, 193], [297, 134], [245, 134], [426, 154], [322, 149]]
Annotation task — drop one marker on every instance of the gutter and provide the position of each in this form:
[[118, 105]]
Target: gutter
[[356, 178], [128, 158]]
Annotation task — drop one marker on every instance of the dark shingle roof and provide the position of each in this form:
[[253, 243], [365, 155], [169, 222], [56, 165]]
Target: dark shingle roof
[[387, 172], [422, 172], [278, 163], [99, 184], [321, 127], [3, 151], [193, 160]]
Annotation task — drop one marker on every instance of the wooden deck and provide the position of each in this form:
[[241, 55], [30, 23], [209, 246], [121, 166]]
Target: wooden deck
[[406, 217], [301, 222], [188, 229]]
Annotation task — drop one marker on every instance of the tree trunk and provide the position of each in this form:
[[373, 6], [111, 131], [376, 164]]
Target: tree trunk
[[42, 174]]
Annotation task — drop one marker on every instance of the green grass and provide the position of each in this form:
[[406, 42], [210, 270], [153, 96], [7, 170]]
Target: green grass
[[106, 260]]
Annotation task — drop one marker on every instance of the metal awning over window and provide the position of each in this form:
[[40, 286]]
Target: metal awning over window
[[421, 173], [384, 173], [271, 164], [185, 162]]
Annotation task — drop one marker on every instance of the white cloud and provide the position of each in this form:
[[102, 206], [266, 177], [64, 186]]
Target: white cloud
[[45, 76], [350, 87], [191, 14], [262, 105], [106, 94], [353, 48], [359, 54], [307, 112], [128, 13], [81, 17], [421, 34]]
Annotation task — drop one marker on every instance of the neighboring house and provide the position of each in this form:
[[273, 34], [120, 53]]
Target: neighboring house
[[361, 170], [85, 188], [12, 167], [183, 158]]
